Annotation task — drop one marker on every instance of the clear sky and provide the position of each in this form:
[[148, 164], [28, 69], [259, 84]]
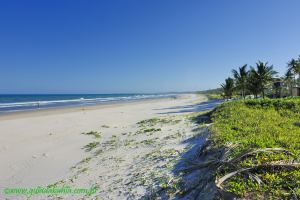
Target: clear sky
[[119, 46]]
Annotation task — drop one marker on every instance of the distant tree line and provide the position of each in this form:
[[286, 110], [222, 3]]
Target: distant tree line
[[261, 78]]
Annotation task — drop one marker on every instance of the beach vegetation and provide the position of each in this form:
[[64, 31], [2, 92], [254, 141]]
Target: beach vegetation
[[149, 130], [228, 88], [85, 160], [264, 75], [157, 121], [241, 76], [83, 170], [128, 142], [98, 152], [93, 133], [294, 67], [91, 146], [289, 80], [112, 143], [149, 141], [212, 94], [262, 80], [261, 141]]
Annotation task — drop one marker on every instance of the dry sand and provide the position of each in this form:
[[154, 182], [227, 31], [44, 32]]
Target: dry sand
[[127, 161]]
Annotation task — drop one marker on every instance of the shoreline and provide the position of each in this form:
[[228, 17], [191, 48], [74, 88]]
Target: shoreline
[[79, 108], [21, 103]]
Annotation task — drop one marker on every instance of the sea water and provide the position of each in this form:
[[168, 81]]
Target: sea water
[[25, 102]]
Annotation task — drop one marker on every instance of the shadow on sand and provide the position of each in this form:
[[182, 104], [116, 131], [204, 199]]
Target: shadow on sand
[[199, 107], [196, 182]]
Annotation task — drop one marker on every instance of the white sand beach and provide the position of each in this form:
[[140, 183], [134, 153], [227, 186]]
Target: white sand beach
[[47, 147]]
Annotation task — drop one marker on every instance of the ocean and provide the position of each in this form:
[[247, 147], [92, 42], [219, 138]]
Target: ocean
[[26, 102]]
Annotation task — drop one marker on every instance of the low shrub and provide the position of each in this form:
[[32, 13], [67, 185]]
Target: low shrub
[[252, 125]]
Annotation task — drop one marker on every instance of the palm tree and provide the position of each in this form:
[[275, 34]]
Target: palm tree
[[263, 74], [298, 66], [241, 79], [253, 84], [228, 88], [289, 79], [294, 68]]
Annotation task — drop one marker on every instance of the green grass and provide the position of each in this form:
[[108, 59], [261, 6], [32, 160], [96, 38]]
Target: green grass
[[157, 121], [91, 146], [83, 170], [85, 160], [151, 130], [149, 141], [214, 96], [258, 124], [112, 143], [148, 131], [94, 133]]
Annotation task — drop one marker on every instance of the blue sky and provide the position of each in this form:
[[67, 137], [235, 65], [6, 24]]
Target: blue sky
[[100, 46]]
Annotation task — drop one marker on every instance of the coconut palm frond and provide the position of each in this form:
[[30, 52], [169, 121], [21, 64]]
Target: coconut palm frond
[[221, 180], [265, 150]]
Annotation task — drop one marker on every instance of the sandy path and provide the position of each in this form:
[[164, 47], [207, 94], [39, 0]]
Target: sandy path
[[39, 149]]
